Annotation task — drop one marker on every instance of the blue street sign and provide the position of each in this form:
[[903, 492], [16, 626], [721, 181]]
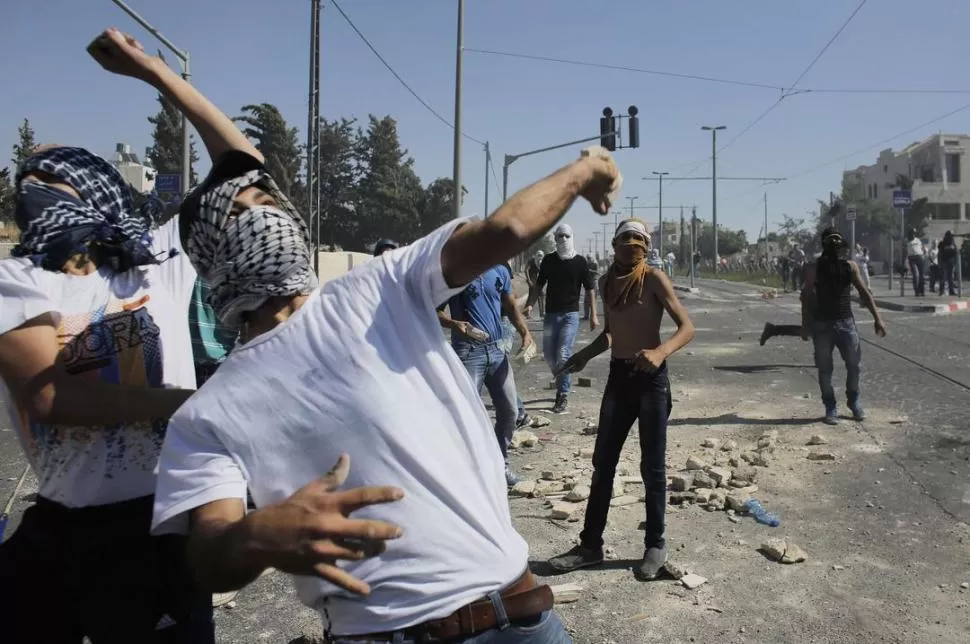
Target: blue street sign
[[168, 183], [902, 198]]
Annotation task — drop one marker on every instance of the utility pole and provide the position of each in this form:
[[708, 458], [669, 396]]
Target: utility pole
[[313, 134], [183, 57], [488, 159], [693, 235], [605, 225], [459, 52], [766, 225], [713, 129], [660, 180], [596, 240], [632, 199]]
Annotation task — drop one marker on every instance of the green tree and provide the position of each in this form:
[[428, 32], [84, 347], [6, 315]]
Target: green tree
[[24, 147], [729, 241], [165, 153], [437, 204], [6, 196], [280, 145], [339, 174]]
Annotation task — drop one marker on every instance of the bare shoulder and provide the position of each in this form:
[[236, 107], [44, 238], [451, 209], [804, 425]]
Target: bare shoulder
[[658, 282]]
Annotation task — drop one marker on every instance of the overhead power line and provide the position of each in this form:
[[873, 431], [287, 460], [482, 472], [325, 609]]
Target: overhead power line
[[387, 65]]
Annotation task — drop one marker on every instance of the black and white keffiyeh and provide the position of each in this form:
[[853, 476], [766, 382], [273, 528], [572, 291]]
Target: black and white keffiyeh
[[55, 225], [247, 258]]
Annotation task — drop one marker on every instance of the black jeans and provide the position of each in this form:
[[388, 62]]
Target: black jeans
[[96, 572], [917, 266], [631, 396]]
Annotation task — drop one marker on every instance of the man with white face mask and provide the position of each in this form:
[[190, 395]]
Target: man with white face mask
[[563, 274], [356, 367]]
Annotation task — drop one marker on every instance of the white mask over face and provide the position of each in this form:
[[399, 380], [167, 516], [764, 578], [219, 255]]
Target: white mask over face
[[565, 247]]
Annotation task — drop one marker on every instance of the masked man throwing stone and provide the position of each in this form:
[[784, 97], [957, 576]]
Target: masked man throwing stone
[[635, 297]]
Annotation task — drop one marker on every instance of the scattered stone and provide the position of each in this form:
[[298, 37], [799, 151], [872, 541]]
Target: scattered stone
[[566, 593], [702, 495], [540, 421], [737, 502], [694, 463], [590, 428], [837, 567], [619, 489], [734, 461], [626, 499], [586, 452], [734, 519], [710, 442], [870, 504], [702, 479], [543, 488], [729, 446], [563, 510], [761, 459], [720, 475], [230, 605], [817, 439], [584, 382], [551, 475], [965, 585], [679, 498], [783, 551], [744, 474], [523, 488], [692, 581], [716, 501], [748, 489], [821, 456], [528, 468], [524, 438], [768, 440], [631, 480], [674, 570], [681, 482], [577, 494]]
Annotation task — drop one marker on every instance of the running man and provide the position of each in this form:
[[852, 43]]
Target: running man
[[635, 297], [356, 367]]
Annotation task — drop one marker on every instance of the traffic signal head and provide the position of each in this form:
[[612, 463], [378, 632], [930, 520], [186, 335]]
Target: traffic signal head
[[634, 127], [608, 130]]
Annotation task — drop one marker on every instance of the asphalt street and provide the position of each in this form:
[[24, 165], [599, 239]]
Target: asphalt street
[[916, 387]]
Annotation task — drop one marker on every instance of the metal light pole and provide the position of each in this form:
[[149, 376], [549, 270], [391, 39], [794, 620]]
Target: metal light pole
[[488, 158], [693, 233], [660, 180], [512, 158], [183, 57], [632, 199], [313, 134], [713, 129], [459, 51], [605, 226]]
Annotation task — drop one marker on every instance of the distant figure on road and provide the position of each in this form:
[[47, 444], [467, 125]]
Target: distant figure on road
[[532, 276], [861, 257], [588, 300], [827, 319], [796, 261], [563, 274], [635, 297], [949, 256], [915, 255]]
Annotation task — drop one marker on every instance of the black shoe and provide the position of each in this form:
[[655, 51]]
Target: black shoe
[[578, 557], [651, 565], [561, 404], [767, 333]]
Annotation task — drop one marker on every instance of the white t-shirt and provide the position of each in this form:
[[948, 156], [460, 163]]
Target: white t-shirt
[[363, 368], [914, 247], [131, 329]]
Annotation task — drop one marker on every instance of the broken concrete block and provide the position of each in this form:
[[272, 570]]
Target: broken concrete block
[[821, 456], [681, 482], [737, 502], [768, 440], [680, 498], [586, 452], [626, 499], [692, 581], [702, 479], [745, 474], [783, 551], [729, 446], [524, 438], [543, 488], [720, 475], [577, 494], [540, 421], [711, 443], [551, 475], [674, 570], [817, 439], [590, 428], [716, 500], [563, 510], [523, 488], [694, 463], [584, 382], [566, 593], [702, 495]]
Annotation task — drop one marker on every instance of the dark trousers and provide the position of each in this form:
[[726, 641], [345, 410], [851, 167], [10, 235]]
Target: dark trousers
[[630, 396], [947, 269], [96, 572], [917, 266]]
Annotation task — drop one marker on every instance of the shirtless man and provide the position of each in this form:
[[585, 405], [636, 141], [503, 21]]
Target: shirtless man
[[635, 297]]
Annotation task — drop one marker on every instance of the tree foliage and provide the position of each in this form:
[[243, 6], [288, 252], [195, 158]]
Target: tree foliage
[[729, 242], [280, 145], [24, 147], [6, 195], [165, 154]]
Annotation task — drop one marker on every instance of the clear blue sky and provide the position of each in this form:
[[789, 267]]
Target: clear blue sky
[[249, 51]]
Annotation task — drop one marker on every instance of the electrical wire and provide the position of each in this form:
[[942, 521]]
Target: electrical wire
[[494, 175], [387, 65]]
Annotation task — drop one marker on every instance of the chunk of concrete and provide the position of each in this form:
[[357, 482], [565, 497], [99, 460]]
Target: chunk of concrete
[[682, 481], [621, 501], [566, 593], [720, 475], [577, 494], [563, 510], [694, 463], [692, 581], [523, 488], [524, 438]]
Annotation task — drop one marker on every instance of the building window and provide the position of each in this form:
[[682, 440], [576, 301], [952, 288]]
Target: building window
[[885, 169], [926, 174], [948, 211], [951, 142], [875, 191], [953, 168]]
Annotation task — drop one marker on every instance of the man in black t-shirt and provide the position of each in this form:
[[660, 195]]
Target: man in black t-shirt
[[563, 274]]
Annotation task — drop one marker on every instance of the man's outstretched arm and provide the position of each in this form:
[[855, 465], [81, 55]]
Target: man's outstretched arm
[[121, 54], [526, 216]]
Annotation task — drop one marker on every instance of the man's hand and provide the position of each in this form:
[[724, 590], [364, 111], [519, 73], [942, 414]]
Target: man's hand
[[469, 331], [604, 179], [308, 532], [574, 364], [527, 311], [880, 328], [594, 322], [121, 54], [527, 342], [649, 360]]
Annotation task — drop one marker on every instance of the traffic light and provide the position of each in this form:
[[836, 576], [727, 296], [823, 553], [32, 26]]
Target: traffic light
[[634, 127], [608, 130]]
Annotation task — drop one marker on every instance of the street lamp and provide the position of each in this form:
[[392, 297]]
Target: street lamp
[[660, 179], [632, 199], [459, 51], [183, 57], [713, 129]]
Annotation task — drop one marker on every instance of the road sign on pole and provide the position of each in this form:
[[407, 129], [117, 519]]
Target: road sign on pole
[[902, 198], [168, 184], [850, 213]]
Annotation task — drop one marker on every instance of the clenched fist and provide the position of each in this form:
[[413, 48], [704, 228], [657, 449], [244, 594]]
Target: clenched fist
[[121, 54], [605, 180]]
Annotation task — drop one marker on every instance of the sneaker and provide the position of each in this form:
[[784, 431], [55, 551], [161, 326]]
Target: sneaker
[[651, 565], [831, 416], [510, 478], [858, 413], [769, 331], [578, 557], [561, 403], [525, 421]]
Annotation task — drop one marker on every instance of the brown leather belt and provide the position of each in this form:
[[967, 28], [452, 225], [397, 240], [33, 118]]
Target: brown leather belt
[[522, 599]]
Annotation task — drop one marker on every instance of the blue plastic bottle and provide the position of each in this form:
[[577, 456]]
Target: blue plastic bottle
[[756, 510]]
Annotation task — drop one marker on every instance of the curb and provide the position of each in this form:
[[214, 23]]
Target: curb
[[936, 309]]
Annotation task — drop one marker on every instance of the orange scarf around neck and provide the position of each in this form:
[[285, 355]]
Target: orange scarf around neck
[[630, 281]]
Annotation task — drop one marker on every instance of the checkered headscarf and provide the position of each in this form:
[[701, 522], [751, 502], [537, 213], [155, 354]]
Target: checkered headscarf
[[245, 259], [55, 225]]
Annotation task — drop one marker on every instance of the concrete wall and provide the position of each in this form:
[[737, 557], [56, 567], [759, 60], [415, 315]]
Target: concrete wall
[[336, 264]]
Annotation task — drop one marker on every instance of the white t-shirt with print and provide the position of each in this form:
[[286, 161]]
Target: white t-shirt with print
[[363, 368], [129, 328]]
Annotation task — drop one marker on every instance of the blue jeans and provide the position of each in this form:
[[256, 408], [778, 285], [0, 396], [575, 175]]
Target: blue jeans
[[488, 365], [545, 628], [558, 335], [841, 334], [508, 341]]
